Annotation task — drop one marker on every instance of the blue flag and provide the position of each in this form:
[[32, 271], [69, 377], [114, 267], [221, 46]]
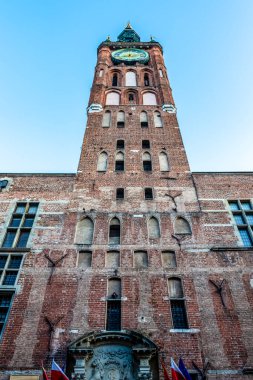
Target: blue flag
[[184, 370]]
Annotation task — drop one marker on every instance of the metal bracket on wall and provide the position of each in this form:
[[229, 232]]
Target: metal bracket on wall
[[53, 265], [202, 372], [52, 326], [219, 290]]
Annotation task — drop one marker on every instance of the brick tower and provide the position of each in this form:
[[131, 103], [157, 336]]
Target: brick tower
[[133, 258]]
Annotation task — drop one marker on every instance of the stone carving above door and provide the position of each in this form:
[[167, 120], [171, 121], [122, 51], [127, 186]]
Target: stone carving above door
[[113, 356]]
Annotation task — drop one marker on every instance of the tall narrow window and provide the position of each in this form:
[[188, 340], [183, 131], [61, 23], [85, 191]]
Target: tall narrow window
[[140, 259], [112, 259], [114, 232], [182, 226], [5, 305], [148, 192], [153, 228], [119, 162], [163, 161], [157, 120], [112, 98], [121, 119], [147, 163], [20, 226], [84, 231], [113, 317], [115, 80], [131, 98], [145, 144], [106, 123], [102, 162], [144, 119], [120, 144], [146, 79], [149, 99], [161, 73], [177, 303], [101, 73], [242, 211], [131, 78]]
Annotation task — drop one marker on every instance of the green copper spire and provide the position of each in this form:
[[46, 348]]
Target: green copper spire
[[128, 35]]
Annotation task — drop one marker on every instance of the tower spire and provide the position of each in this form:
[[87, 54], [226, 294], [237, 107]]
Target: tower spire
[[129, 34]]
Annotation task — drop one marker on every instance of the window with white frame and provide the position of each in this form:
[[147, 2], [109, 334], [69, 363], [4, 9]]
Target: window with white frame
[[242, 211]]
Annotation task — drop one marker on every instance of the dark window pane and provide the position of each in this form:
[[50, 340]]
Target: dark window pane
[[9, 239], [178, 314], [246, 205], [250, 218], [15, 222], [120, 193], [239, 219], [20, 209], [115, 80], [145, 144], [147, 166], [113, 316], [245, 236], [120, 144], [120, 124], [234, 206], [22, 240], [28, 222], [3, 314], [148, 193], [144, 124], [3, 260], [5, 300], [33, 208], [15, 262], [10, 278], [119, 166], [3, 184], [114, 234]]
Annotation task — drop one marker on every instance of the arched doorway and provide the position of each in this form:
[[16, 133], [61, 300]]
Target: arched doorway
[[113, 356]]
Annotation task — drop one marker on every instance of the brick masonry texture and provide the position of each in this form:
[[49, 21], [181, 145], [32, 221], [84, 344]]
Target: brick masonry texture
[[75, 297]]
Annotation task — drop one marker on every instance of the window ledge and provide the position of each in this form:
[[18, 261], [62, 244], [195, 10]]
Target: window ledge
[[185, 331], [240, 248], [3, 249]]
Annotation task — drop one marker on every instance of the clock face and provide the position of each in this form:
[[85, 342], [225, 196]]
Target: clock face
[[130, 56]]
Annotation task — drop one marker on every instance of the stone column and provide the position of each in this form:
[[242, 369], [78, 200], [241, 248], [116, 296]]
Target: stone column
[[81, 359]]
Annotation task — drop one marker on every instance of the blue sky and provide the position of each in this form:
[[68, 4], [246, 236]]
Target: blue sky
[[47, 59]]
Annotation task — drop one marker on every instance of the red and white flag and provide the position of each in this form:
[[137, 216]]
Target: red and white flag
[[175, 372], [44, 374], [57, 373], [165, 372]]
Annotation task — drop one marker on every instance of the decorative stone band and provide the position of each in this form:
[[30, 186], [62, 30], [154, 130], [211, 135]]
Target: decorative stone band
[[94, 107], [169, 108]]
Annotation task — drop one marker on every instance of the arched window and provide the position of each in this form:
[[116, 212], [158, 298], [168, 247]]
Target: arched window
[[102, 162], [140, 259], [114, 232], [106, 123], [115, 79], [153, 228], [144, 119], [149, 99], [112, 98], [113, 312], [112, 259], [163, 161], [182, 226], [119, 162], [131, 98], [147, 163], [131, 78], [101, 73], [84, 259], [121, 119], [158, 119], [146, 79], [161, 73], [84, 231], [177, 303]]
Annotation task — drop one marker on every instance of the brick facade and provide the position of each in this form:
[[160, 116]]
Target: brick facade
[[58, 301]]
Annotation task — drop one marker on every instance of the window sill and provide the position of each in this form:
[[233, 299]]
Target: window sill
[[13, 249], [185, 331]]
